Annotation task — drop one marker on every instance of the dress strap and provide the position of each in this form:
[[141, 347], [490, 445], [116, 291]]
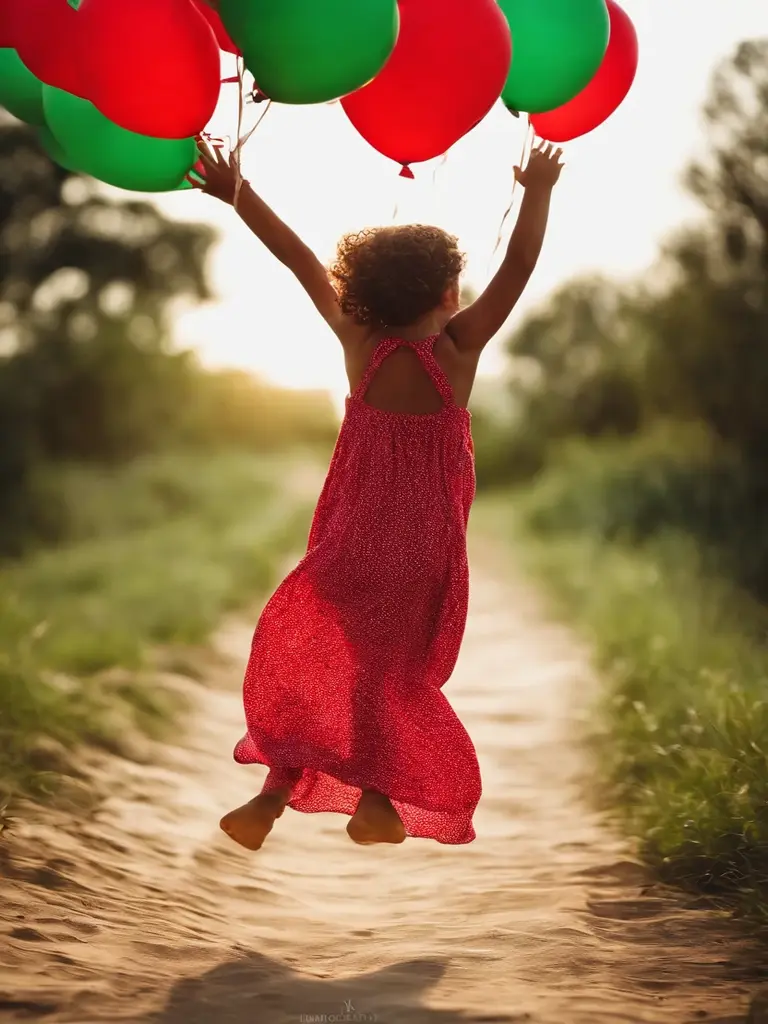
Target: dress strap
[[380, 353], [424, 349]]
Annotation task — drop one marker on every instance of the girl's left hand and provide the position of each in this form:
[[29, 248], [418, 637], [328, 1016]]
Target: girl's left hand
[[543, 168], [220, 173]]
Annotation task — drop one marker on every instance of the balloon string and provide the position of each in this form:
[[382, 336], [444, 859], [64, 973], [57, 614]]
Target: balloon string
[[242, 139], [238, 146], [443, 162], [527, 145]]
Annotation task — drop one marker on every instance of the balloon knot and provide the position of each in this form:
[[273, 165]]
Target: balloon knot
[[513, 112], [406, 172], [258, 96]]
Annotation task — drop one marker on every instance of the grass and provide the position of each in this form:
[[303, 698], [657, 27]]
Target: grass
[[682, 722], [160, 552]]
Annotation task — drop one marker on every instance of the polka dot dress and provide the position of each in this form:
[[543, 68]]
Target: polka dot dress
[[343, 689]]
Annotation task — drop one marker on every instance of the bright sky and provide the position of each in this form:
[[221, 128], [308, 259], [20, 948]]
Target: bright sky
[[618, 196]]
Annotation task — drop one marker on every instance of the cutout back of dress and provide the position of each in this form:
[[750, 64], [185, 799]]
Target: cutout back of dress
[[403, 377]]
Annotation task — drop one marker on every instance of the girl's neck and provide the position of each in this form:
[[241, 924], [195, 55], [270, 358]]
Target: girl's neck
[[427, 327]]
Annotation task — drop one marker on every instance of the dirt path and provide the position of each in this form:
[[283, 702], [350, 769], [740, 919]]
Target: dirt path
[[144, 912]]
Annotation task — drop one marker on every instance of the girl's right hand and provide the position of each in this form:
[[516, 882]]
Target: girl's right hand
[[220, 173], [543, 167]]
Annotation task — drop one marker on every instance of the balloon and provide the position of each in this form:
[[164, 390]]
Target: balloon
[[54, 150], [604, 94], [312, 51], [57, 154], [8, 10], [20, 92], [197, 173], [214, 20], [447, 70], [559, 45], [96, 146], [154, 65], [50, 40]]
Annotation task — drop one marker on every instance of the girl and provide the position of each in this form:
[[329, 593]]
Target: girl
[[343, 689]]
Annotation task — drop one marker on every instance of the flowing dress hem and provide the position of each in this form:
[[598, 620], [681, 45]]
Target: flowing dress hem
[[454, 822]]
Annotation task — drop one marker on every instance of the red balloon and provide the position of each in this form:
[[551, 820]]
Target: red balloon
[[604, 94], [214, 20], [154, 65], [50, 39], [8, 10], [447, 70]]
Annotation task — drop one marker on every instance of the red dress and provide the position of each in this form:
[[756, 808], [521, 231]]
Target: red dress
[[343, 686]]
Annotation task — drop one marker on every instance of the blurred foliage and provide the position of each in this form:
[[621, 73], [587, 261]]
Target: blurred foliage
[[158, 551], [679, 727], [670, 478], [689, 342], [149, 495], [576, 364], [88, 369], [709, 327], [648, 405]]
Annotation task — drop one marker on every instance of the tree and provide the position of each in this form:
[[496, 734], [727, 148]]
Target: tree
[[710, 325], [86, 285], [691, 343], [573, 363]]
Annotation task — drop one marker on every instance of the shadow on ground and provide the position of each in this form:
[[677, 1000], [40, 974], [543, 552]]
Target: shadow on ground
[[256, 988]]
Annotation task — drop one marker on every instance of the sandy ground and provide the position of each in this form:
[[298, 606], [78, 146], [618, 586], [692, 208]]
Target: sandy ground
[[141, 910]]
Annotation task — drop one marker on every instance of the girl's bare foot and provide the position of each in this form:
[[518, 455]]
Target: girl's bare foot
[[250, 824], [375, 821]]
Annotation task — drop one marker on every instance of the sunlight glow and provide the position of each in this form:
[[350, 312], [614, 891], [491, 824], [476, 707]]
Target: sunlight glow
[[617, 199]]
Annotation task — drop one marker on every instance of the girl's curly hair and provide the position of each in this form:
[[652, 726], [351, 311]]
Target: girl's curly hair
[[391, 277]]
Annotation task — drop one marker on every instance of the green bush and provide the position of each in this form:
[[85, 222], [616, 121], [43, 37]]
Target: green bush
[[674, 479], [647, 547], [502, 456], [682, 716], [156, 555]]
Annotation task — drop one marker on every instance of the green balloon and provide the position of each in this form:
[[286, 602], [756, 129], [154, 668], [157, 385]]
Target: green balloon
[[21, 92], [54, 150], [557, 48], [97, 146], [312, 51], [185, 186], [57, 154]]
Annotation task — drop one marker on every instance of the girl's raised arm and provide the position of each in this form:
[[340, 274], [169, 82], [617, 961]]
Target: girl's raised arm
[[473, 327], [221, 182]]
